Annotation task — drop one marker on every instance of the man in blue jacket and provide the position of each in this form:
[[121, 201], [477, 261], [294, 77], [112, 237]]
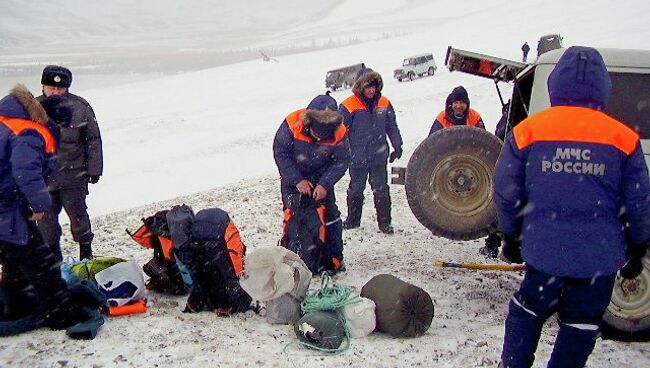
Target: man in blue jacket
[[312, 152], [31, 279], [370, 117], [571, 186]]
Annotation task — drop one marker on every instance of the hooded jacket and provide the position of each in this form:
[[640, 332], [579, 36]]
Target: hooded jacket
[[27, 154], [447, 118], [570, 176], [300, 156], [369, 122]]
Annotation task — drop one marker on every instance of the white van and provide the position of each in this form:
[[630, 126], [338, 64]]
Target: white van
[[418, 65]]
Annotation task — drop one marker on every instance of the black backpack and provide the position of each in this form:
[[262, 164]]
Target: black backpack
[[304, 231]]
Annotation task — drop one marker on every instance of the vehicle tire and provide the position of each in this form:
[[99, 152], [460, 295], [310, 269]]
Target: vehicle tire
[[449, 182], [627, 317], [411, 76], [431, 71], [399, 79]]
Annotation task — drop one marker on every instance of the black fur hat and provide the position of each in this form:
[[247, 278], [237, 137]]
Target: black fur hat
[[56, 76]]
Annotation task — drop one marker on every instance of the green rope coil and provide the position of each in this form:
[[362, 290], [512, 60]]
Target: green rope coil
[[329, 298]]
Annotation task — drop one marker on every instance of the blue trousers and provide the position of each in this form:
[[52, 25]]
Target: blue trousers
[[579, 303], [378, 178], [334, 238]]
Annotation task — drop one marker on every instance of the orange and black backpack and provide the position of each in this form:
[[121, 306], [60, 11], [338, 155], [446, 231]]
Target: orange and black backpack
[[304, 231], [162, 269]]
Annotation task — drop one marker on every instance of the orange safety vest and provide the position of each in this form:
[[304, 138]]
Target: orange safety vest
[[473, 118]]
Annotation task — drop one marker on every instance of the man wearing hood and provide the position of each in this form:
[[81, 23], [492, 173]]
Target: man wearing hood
[[571, 186], [80, 163], [370, 117], [312, 152], [458, 112], [31, 279]]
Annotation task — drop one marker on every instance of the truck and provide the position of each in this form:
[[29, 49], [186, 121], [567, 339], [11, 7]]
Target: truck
[[342, 77], [448, 179]]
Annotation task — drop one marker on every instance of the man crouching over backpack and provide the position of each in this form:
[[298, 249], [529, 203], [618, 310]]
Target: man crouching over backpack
[[209, 246]]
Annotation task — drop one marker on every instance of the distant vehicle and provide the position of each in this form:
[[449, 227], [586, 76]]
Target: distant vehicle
[[418, 65], [549, 42], [342, 77]]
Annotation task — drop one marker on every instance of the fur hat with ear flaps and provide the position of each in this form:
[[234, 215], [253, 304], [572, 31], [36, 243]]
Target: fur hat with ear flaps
[[322, 115], [27, 106], [56, 76], [365, 78]]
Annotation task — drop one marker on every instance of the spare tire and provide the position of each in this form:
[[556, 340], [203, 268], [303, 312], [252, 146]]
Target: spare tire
[[449, 182], [627, 317]]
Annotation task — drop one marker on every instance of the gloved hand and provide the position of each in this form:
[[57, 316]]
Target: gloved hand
[[93, 179], [511, 250], [634, 265], [395, 155]]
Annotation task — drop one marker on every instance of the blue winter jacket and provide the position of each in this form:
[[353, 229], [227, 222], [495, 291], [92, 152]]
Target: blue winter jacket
[[569, 177], [300, 156], [368, 123], [27, 155]]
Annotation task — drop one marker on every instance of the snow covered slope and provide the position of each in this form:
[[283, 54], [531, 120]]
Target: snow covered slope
[[206, 136]]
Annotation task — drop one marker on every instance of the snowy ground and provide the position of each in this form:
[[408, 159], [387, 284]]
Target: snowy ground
[[206, 135], [467, 329]]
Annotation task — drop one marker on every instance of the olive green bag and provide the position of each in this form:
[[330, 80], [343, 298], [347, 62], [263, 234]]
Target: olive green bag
[[402, 309], [88, 268]]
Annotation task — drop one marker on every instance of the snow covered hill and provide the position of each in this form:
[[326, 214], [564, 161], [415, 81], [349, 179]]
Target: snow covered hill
[[204, 138]]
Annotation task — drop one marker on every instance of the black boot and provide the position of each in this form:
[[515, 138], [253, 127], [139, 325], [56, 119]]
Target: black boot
[[383, 207], [353, 220], [492, 245], [85, 251]]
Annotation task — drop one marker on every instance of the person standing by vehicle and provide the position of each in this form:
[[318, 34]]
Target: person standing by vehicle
[[571, 188], [28, 143], [458, 112], [312, 152], [80, 162], [370, 117], [524, 50]]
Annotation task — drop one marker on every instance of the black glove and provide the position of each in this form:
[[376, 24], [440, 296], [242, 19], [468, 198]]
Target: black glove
[[395, 155], [634, 265], [511, 250], [93, 179]]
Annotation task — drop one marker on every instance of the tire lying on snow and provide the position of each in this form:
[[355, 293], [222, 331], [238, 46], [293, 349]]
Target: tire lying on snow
[[449, 182]]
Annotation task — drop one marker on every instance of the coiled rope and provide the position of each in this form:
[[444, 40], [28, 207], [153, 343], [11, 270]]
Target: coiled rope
[[329, 298]]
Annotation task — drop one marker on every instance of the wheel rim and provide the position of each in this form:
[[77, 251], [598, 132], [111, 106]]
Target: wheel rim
[[462, 185], [631, 298], [411, 75], [430, 71]]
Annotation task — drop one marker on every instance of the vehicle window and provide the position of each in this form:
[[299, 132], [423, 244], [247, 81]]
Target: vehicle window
[[521, 98], [630, 101], [429, 57], [408, 62], [422, 60]]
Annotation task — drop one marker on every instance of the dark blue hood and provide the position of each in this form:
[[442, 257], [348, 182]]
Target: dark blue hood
[[11, 107], [580, 78]]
